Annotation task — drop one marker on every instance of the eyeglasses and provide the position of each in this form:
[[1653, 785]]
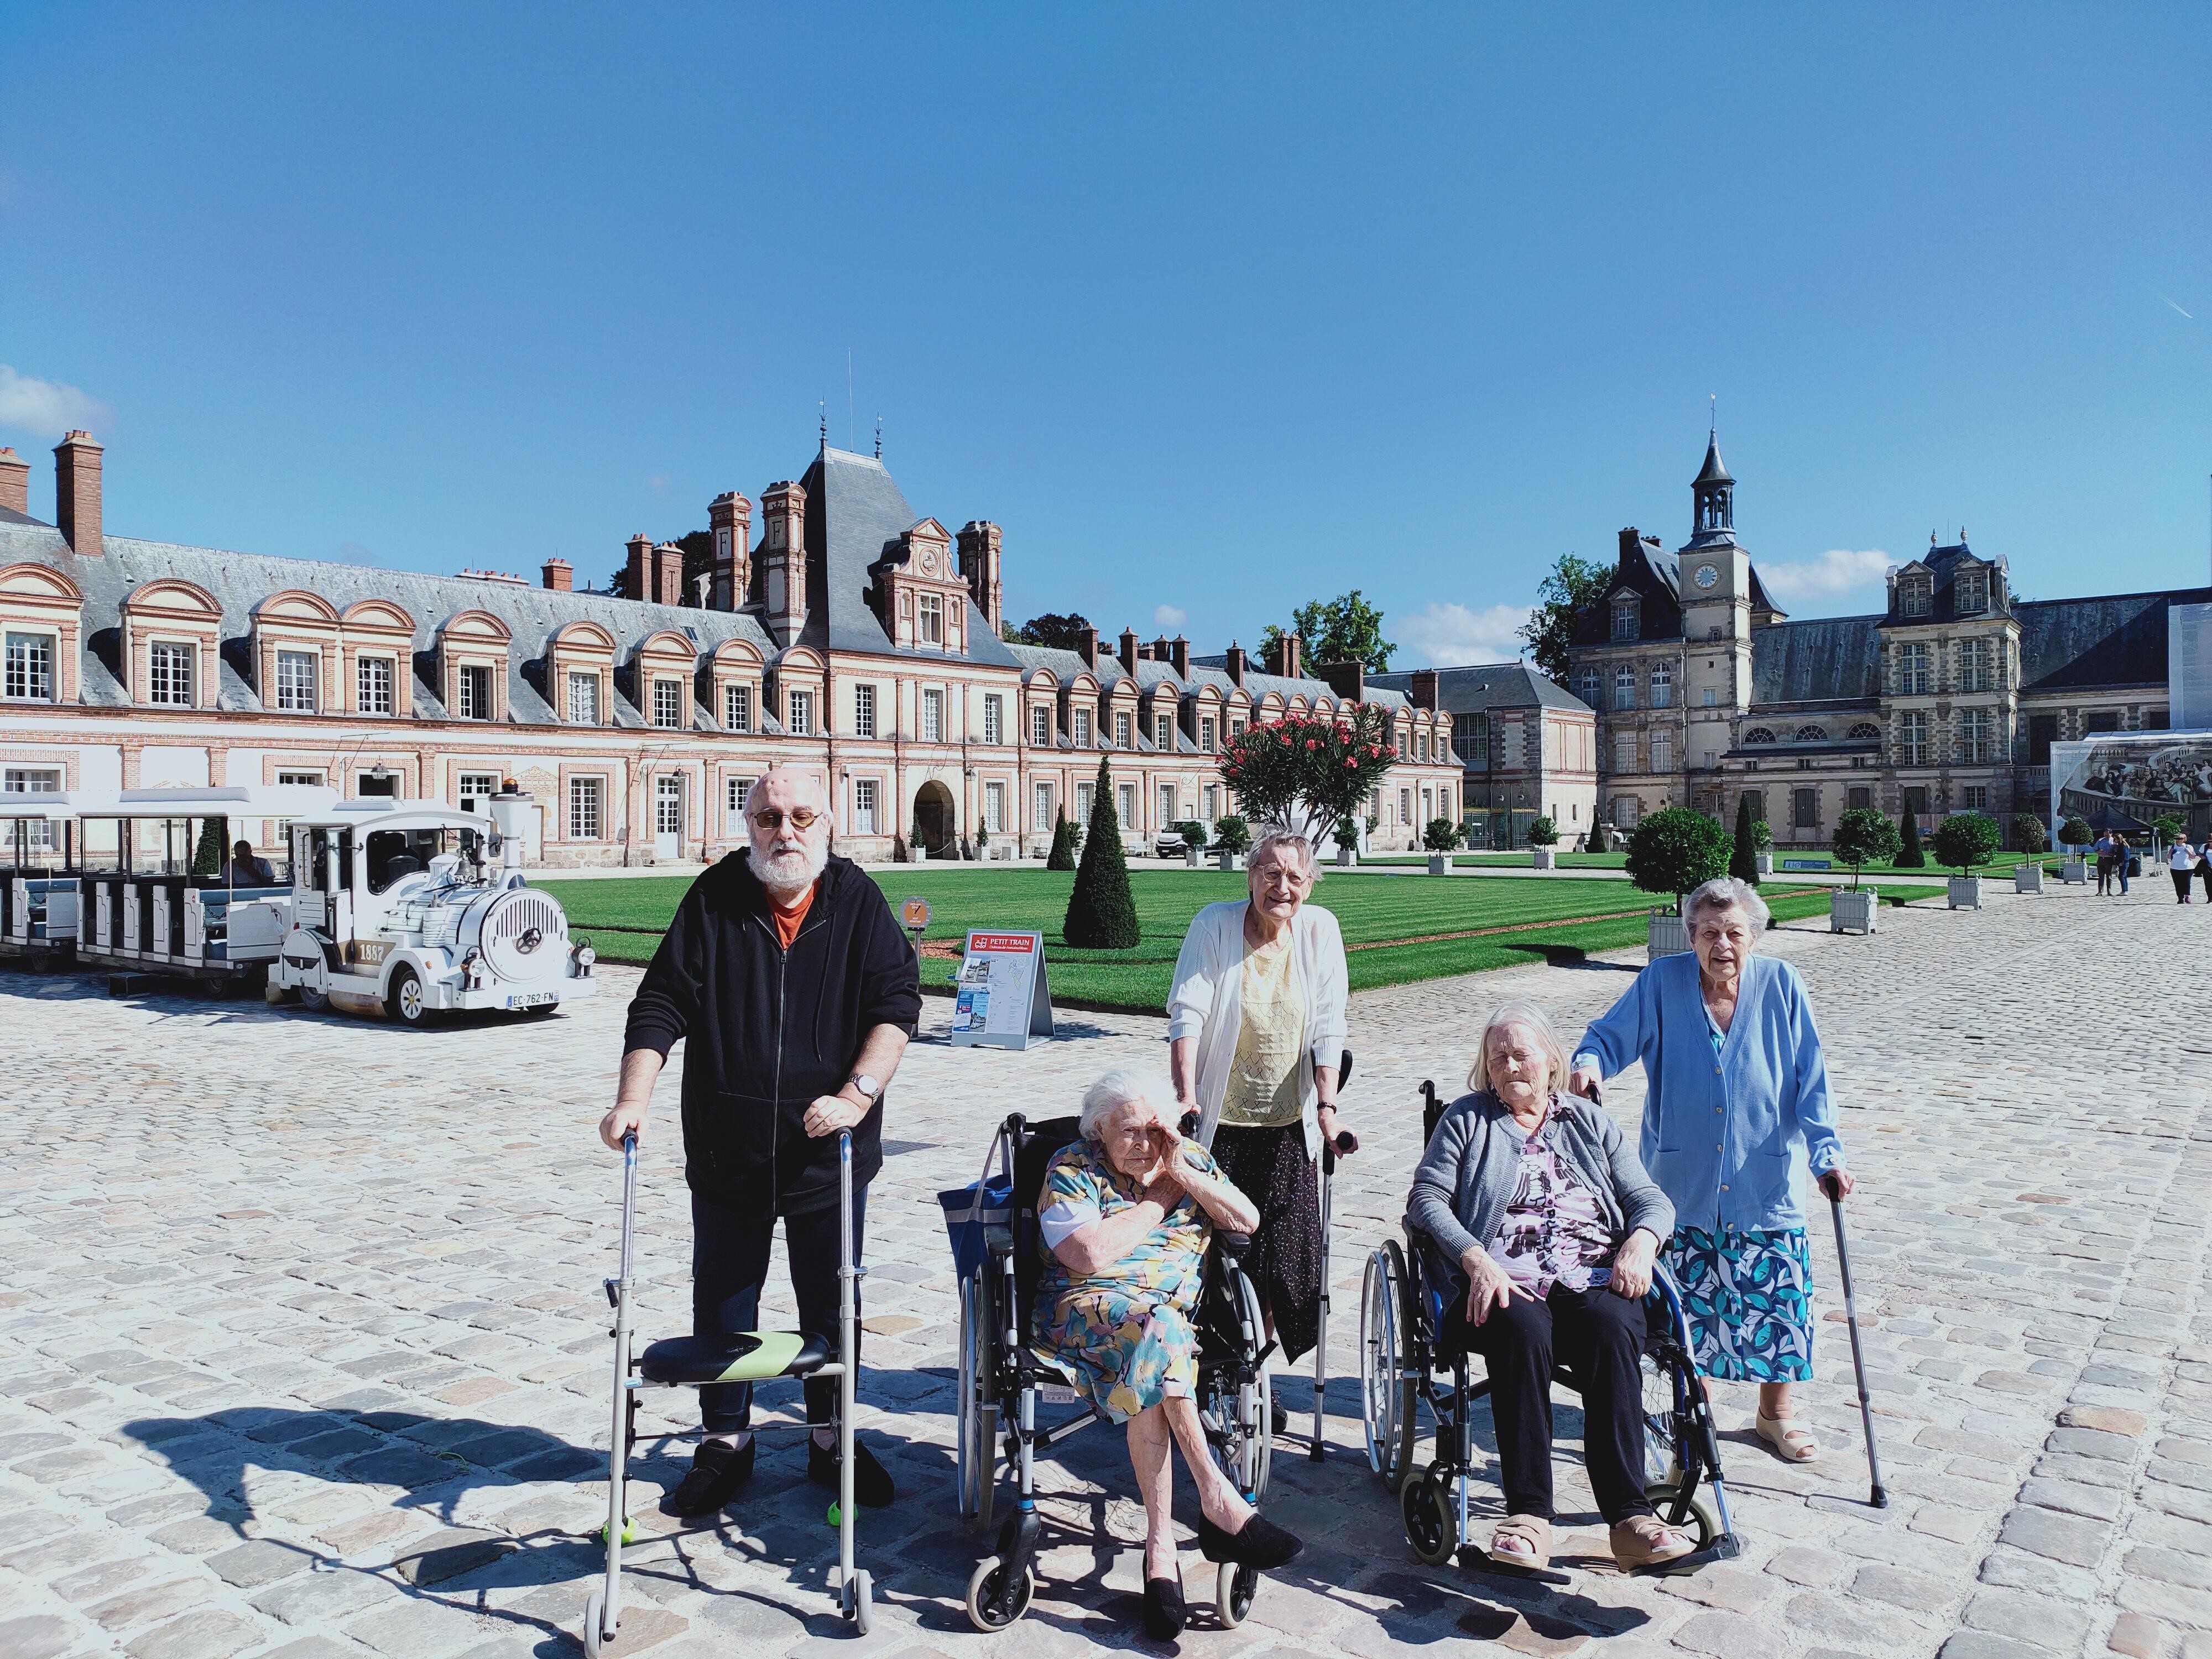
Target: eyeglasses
[[802, 817]]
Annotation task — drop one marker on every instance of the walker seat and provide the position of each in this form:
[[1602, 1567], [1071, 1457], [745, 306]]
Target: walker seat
[[739, 1357]]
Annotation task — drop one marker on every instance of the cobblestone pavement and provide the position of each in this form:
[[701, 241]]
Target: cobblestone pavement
[[302, 1350]]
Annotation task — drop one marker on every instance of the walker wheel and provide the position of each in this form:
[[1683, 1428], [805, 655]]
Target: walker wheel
[[983, 1590], [1431, 1526], [860, 1598], [1234, 1587], [594, 1606]]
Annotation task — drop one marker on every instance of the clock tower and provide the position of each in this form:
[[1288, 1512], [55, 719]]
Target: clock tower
[[1715, 574]]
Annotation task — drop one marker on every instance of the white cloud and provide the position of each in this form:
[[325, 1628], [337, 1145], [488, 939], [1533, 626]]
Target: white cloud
[[46, 406], [1836, 572], [1451, 635], [1165, 617]]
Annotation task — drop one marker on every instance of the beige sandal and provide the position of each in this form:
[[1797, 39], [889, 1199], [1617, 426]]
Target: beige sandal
[[1645, 1541], [1533, 1531], [1790, 1443]]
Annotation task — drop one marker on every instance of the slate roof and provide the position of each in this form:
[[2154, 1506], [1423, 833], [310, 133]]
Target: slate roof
[[1834, 660], [1713, 471], [1486, 686], [2116, 638]]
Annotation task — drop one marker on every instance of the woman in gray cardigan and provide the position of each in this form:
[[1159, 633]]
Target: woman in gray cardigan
[[1539, 1218]]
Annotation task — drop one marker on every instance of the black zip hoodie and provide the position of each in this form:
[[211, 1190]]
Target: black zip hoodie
[[769, 1029]]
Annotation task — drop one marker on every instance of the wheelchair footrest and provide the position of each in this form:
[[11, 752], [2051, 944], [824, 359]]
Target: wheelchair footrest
[[742, 1357]]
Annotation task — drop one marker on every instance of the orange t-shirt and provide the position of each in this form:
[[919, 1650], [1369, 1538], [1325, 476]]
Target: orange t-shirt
[[787, 922]]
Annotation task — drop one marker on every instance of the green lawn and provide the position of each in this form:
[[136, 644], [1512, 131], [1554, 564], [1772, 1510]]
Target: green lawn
[[2002, 864], [624, 919]]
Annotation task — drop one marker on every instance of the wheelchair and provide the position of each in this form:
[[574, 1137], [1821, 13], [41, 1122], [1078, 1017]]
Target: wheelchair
[[1005, 1376], [686, 1362], [1401, 1315]]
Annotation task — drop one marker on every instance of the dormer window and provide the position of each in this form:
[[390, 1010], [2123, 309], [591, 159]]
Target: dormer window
[[1915, 596], [30, 668], [667, 704], [583, 699], [295, 682], [929, 625], [1082, 724], [169, 674], [1970, 591], [1624, 621]]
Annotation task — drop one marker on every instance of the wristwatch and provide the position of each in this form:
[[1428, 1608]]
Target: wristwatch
[[866, 1087]]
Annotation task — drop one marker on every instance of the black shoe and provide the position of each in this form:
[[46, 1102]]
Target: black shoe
[[1259, 1543], [717, 1472], [872, 1482], [1165, 1613], [1279, 1417]]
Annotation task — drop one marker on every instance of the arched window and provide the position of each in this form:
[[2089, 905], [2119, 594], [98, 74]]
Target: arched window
[[1758, 734], [1811, 734], [1867, 729]]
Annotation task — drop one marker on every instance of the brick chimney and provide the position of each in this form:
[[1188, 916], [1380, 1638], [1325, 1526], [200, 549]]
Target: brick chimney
[[1086, 646], [1128, 653], [1423, 691], [559, 576], [668, 574], [637, 574], [1233, 664], [978, 545], [1629, 547], [1347, 679], [77, 494], [14, 482], [1179, 655], [1285, 657], [783, 559], [729, 517]]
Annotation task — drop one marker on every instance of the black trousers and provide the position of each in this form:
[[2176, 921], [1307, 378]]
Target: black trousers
[[2204, 869], [2180, 883], [1599, 1335], [729, 1264]]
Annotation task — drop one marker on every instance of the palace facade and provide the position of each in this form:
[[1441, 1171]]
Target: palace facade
[[852, 637], [1947, 701]]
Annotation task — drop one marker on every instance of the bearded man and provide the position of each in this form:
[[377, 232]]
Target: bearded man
[[789, 978]]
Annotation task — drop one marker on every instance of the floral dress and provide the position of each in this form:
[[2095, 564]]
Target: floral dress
[[1126, 1333]]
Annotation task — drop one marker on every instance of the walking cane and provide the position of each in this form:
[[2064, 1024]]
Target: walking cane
[[1346, 1142], [1877, 1498]]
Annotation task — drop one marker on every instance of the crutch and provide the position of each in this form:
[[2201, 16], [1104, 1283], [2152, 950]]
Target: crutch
[[1877, 1498], [1346, 1142], [603, 1610]]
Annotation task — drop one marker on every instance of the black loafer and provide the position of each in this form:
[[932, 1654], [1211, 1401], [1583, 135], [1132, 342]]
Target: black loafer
[[1277, 1417], [872, 1482], [1259, 1543], [717, 1472], [1165, 1613]]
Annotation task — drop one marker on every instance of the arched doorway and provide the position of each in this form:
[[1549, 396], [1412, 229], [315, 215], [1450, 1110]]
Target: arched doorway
[[933, 818]]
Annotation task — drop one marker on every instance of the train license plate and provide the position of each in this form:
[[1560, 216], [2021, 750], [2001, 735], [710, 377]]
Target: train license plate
[[532, 999]]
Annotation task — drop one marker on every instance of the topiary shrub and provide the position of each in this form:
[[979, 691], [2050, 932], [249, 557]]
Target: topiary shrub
[[1965, 840], [1194, 833], [1232, 834], [1102, 912], [1865, 836], [1743, 856], [1543, 833], [1063, 844], [1675, 850], [2029, 834], [1441, 835], [2076, 834], [1909, 855], [208, 856]]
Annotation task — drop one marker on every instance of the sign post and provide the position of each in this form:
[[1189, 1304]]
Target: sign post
[[1001, 999], [914, 915]]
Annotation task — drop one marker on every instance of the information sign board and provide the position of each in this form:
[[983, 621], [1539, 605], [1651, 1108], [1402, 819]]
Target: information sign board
[[1001, 999]]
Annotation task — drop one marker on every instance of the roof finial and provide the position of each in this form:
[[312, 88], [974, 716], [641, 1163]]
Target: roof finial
[[1712, 416], [879, 437], [823, 405]]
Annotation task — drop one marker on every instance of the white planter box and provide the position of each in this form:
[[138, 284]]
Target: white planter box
[[1852, 912], [2027, 878], [1191, 856], [1346, 857], [1440, 864], [1669, 936], [1230, 860], [1544, 858], [1966, 892], [2076, 870], [1765, 864]]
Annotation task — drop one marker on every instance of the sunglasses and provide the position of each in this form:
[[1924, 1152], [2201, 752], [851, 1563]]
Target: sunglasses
[[802, 817]]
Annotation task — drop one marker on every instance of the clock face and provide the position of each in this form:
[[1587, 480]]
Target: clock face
[[1708, 574]]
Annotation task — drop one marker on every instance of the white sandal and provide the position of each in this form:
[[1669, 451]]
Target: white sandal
[[1788, 1440]]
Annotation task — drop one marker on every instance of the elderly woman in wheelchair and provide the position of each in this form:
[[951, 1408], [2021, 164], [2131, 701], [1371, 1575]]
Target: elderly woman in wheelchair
[[1538, 1225], [1127, 1216]]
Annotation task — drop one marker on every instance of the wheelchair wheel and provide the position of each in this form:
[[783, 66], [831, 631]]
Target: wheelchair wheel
[[1386, 1380], [1246, 1450], [983, 1586], [1662, 1457], [978, 1410], [1430, 1518], [1234, 1587], [1700, 1517]]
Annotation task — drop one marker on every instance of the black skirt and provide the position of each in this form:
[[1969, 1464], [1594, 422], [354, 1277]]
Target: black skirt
[[1270, 1168]]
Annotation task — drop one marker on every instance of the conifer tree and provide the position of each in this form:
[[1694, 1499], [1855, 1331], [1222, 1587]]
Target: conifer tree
[[1743, 858], [1063, 844], [1102, 912], [1909, 855]]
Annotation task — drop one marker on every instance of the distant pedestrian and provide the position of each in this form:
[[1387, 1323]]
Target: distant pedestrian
[[2204, 865], [2108, 858], [2181, 865], [2126, 855]]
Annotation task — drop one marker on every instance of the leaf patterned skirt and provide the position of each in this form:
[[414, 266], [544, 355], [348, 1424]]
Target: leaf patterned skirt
[[1749, 1297]]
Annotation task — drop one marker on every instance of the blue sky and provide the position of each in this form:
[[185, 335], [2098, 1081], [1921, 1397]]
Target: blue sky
[[1215, 309]]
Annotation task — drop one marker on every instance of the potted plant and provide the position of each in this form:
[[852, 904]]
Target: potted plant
[[1543, 836], [2075, 833], [1233, 839], [1863, 836], [1347, 836], [2027, 836], [1762, 836], [1671, 852], [1440, 837], [1964, 840], [1193, 841]]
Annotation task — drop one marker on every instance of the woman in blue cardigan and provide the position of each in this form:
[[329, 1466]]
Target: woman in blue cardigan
[[1737, 1110]]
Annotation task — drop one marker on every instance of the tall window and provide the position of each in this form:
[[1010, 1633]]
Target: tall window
[[1125, 805], [1083, 792], [1167, 804], [738, 789], [933, 716], [1123, 722], [1624, 751], [1978, 736], [1405, 805], [1471, 737], [586, 819], [1805, 809], [1206, 735], [373, 684], [1975, 798], [930, 626], [1758, 799], [1662, 685], [1970, 593], [1977, 665], [863, 806], [30, 668], [1211, 800], [1861, 797], [1915, 596], [1916, 800], [1912, 738], [1913, 673], [583, 700], [994, 718], [667, 704], [1041, 807], [1624, 620], [1040, 727], [1420, 745], [1662, 751], [1082, 723], [1624, 687], [295, 682], [1163, 733], [474, 684], [995, 808], [169, 674], [864, 711], [1587, 686], [1236, 730], [801, 705], [737, 708]]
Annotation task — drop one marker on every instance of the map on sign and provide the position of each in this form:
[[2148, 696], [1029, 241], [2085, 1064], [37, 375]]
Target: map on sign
[[914, 913], [1000, 1000]]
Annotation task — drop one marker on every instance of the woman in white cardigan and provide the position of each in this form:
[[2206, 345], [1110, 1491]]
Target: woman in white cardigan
[[1255, 1031]]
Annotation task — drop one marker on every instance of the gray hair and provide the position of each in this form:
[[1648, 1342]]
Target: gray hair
[[1277, 843], [1117, 1089], [1727, 893], [1521, 1013]]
